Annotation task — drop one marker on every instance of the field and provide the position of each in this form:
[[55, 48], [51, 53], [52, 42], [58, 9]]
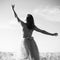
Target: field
[[43, 56], [49, 56]]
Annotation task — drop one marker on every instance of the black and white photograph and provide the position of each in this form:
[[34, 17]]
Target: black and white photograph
[[29, 29]]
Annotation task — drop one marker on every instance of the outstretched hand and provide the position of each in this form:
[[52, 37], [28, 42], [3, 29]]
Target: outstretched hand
[[14, 10], [55, 34], [13, 6]]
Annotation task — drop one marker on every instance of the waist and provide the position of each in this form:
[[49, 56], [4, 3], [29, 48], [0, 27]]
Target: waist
[[28, 37]]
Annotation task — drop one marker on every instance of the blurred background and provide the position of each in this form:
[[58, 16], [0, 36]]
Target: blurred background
[[46, 15]]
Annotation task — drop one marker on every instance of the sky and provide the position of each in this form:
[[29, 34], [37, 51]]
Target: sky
[[46, 15]]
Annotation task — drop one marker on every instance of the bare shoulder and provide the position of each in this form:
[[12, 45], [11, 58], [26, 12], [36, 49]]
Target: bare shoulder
[[23, 23]]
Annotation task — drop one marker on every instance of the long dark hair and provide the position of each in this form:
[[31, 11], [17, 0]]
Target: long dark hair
[[30, 21]]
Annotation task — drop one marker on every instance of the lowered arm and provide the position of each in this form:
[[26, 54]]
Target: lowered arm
[[45, 32]]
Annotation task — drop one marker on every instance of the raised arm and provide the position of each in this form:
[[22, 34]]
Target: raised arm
[[16, 14], [45, 32]]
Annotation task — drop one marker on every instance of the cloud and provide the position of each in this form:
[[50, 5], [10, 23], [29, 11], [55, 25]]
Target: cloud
[[53, 3], [8, 25], [14, 22], [52, 14]]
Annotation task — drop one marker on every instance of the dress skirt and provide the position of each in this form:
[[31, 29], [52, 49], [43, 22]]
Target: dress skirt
[[31, 48]]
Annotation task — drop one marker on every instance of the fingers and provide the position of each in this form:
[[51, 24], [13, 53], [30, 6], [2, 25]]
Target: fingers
[[13, 6], [55, 34]]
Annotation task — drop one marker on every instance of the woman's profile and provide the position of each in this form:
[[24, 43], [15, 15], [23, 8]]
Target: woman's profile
[[28, 28]]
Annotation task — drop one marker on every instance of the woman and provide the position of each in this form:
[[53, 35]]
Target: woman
[[28, 29]]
